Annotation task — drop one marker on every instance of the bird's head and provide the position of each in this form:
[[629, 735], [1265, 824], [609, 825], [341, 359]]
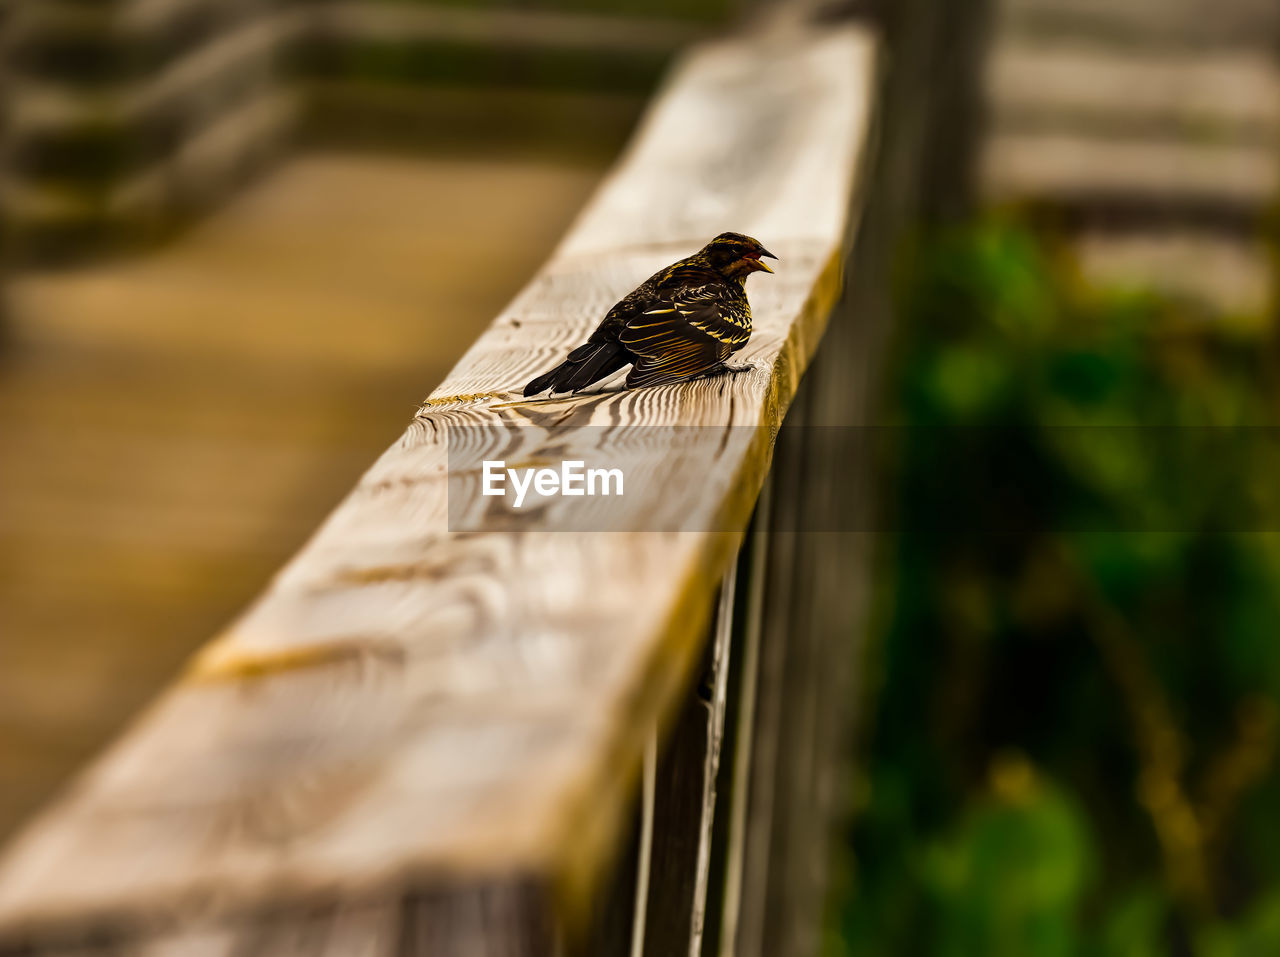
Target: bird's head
[[736, 256]]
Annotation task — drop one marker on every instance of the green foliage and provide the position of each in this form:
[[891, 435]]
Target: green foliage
[[1072, 746], [1009, 880]]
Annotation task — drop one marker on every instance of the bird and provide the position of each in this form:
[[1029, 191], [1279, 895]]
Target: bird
[[681, 323]]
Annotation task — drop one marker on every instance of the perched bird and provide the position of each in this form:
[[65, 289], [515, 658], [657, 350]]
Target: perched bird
[[680, 323]]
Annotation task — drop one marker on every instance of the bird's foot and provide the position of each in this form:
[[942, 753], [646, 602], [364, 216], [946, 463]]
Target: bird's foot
[[731, 368]]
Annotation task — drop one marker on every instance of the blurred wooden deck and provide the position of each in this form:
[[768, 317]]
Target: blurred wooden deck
[[1151, 131], [175, 425]]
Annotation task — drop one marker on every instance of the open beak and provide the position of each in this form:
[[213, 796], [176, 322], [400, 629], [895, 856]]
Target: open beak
[[761, 264]]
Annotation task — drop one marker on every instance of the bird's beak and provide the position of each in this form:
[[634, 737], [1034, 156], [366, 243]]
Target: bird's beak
[[755, 262]]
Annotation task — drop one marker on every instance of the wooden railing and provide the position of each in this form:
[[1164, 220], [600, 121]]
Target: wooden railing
[[128, 115], [125, 113], [421, 741], [1169, 186]]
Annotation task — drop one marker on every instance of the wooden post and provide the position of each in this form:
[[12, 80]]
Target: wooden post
[[687, 797]]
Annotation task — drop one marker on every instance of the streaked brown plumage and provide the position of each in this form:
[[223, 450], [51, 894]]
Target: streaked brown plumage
[[680, 323]]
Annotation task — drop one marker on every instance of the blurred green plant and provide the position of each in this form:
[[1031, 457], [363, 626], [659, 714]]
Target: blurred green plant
[[1072, 743]]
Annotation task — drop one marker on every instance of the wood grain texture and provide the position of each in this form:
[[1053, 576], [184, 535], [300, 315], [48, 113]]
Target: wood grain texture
[[409, 708]]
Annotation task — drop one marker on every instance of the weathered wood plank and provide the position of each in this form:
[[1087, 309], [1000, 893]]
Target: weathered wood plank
[[1066, 165], [1165, 186], [129, 116], [1181, 24], [189, 177], [409, 708], [156, 33], [1214, 96], [43, 107], [398, 22]]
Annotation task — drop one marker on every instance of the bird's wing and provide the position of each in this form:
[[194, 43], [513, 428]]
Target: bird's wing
[[627, 308], [683, 333], [699, 314]]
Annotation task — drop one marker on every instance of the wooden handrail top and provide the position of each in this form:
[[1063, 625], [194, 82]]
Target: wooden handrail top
[[405, 707]]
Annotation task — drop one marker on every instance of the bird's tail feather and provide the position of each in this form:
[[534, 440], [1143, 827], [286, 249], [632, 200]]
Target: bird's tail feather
[[586, 364], [542, 382]]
